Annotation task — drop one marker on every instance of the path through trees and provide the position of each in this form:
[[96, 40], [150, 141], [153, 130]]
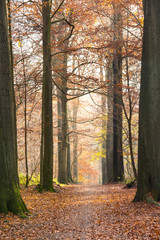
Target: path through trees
[[83, 212]]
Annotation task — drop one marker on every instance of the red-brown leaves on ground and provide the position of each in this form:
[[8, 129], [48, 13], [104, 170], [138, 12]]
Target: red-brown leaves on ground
[[83, 212]]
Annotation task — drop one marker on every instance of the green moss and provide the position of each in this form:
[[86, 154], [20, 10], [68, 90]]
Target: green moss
[[33, 181], [10, 200]]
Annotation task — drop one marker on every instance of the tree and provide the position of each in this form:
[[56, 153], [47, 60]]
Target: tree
[[47, 125], [63, 161], [64, 171], [118, 169], [69, 174], [149, 114], [103, 109], [75, 140], [109, 141], [10, 198], [129, 119], [12, 81]]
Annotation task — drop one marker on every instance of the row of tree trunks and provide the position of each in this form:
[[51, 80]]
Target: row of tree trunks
[[114, 154]]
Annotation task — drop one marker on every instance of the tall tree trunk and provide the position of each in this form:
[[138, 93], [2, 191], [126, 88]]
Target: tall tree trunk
[[62, 178], [103, 109], [25, 119], [75, 140], [63, 161], [59, 107], [118, 169], [149, 118], [47, 128], [109, 147], [129, 120], [10, 198], [69, 175], [12, 82]]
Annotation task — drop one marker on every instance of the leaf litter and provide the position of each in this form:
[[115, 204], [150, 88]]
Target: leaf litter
[[83, 212]]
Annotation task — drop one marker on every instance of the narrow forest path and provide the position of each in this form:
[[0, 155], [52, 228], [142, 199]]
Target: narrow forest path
[[83, 212]]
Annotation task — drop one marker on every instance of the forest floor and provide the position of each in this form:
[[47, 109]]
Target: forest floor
[[83, 212]]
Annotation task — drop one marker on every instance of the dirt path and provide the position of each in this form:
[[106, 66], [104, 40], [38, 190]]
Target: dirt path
[[81, 212]]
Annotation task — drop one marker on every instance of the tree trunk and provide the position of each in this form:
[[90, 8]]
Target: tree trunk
[[63, 161], [59, 107], [25, 120], [12, 83], [47, 128], [129, 119], [149, 114], [109, 147], [62, 178], [75, 140], [69, 175], [103, 109], [118, 170], [10, 198]]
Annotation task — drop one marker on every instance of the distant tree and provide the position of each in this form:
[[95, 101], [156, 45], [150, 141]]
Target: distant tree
[[10, 198], [129, 118], [62, 177], [149, 114], [109, 140], [103, 109], [69, 174], [75, 140]]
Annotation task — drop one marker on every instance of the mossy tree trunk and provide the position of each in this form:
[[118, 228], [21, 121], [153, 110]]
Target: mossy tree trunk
[[46, 176], [149, 109], [10, 198]]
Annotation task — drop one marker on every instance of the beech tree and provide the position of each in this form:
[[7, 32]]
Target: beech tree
[[10, 198], [47, 124], [109, 141], [149, 114], [75, 139], [118, 169]]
